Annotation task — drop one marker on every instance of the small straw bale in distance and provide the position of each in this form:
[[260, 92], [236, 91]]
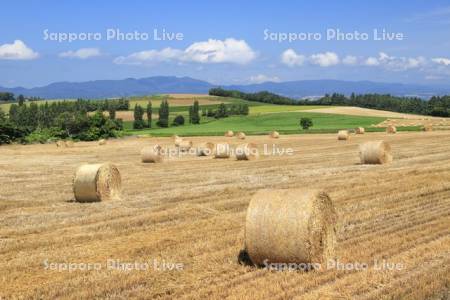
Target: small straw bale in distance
[[184, 145], [391, 129], [290, 226], [427, 128], [375, 152], [360, 130], [177, 140], [229, 133], [343, 135], [102, 142], [240, 135], [60, 144], [222, 150], [247, 152], [70, 144], [274, 134], [152, 154], [205, 149], [97, 182]]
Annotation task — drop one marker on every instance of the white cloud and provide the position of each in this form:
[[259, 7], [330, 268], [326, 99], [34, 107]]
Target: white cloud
[[395, 63], [217, 51], [82, 53], [291, 58], [138, 58], [17, 51], [263, 78], [326, 59], [350, 60], [371, 61], [212, 51], [442, 61]]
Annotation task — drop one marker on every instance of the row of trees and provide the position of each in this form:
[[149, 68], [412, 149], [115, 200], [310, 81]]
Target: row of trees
[[140, 123], [435, 106], [224, 111], [264, 96], [195, 112]]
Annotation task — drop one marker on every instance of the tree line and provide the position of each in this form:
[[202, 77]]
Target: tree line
[[195, 112], [57, 120], [435, 106]]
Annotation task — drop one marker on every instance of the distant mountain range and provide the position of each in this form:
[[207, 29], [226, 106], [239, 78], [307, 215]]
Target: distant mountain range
[[171, 84]]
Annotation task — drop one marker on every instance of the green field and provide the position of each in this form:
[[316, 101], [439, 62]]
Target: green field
[[287, 122]]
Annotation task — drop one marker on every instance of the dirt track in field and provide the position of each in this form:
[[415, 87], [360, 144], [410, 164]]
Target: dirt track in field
[[191, 210]]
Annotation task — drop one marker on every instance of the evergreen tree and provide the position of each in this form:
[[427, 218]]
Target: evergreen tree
[[195, 118], [149, 114], [245, 109], [138, 117], [21, 100], [163, 114]]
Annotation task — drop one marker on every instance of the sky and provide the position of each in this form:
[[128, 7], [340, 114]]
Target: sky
[[226, 42]]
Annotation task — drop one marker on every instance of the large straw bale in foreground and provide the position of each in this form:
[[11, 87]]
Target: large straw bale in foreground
[[343, 135], [375, 152], [240, 135], [97, 182], [205, 149], [152, 154], [274, 134], [247, 152], [360, 130], [290, 226], [222, 150], [229, 133], [391, 129]]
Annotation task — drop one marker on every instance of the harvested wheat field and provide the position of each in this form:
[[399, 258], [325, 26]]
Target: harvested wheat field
[[185, 218]]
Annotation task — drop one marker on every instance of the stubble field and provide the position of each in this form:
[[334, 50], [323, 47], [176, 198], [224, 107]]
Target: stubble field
[[190, 211]]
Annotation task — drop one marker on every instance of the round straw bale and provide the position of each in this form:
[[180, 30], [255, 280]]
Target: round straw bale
[[69, 144], [152, 154], [391, 129], [343, 135], [229, 133], [274, 134], [290, 226], [97, 182], [60, 144], [102, 142], [222, 150], [428, 128], [240, 135], [184, 145], [375, 152], [178, 141], [205, 149], [360, 130], [247, 152]]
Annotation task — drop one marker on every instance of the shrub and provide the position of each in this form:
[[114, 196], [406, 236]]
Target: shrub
[[179, 120], [305, 123]]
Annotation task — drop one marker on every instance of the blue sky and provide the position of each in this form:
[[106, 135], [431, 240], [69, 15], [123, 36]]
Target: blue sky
[[225, 43]]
